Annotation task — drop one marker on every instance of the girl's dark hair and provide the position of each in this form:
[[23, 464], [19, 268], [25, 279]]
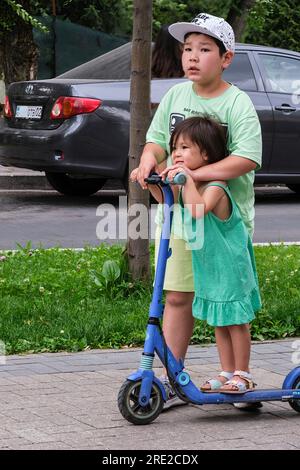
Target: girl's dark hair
[[206, 133], [222, 48], [166, 55]]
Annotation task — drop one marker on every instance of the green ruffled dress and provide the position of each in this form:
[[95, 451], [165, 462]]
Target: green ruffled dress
[[225, 276]]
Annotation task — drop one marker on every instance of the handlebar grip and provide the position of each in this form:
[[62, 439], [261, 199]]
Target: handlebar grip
[[153, 179], [180, 178]]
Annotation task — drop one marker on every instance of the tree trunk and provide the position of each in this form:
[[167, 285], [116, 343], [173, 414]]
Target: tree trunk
[[140, 115], [237, 16], [18, 54]]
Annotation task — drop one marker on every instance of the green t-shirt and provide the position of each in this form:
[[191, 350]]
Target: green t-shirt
[[234, 110]]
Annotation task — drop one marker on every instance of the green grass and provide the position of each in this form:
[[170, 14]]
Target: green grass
[[55, 300]]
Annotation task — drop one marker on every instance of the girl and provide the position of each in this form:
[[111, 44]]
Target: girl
[[225, 278]]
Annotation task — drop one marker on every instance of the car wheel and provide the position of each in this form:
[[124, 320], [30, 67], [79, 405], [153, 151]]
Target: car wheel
[[294, 187], [73, 186]]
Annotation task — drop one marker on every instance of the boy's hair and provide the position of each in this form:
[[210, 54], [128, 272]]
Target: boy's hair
[[206, 133], [219, 43]]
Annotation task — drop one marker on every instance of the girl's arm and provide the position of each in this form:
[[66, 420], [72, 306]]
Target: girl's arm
[[200, 204]]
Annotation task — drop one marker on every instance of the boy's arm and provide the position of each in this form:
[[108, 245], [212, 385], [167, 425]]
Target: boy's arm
[[152, 155], [229, 168]]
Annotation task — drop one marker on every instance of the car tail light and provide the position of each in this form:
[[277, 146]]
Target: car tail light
[[7, 109], [67, 106]]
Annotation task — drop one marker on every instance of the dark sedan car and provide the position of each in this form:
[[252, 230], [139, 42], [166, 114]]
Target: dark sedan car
[[76, 127]]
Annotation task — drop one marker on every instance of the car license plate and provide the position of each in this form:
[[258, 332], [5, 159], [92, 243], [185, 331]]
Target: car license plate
[[29, 112]]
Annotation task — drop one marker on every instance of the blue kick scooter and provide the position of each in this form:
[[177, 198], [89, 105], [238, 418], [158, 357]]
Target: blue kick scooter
[[142, 396]]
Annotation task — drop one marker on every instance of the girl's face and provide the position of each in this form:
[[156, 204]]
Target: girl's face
[[188, 153], [201, 59]]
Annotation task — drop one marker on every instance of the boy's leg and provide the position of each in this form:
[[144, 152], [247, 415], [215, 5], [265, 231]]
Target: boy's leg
[[178, 325], [178, 322]]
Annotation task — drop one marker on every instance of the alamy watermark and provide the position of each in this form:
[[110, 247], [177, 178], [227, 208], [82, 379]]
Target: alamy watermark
[[135, 222]]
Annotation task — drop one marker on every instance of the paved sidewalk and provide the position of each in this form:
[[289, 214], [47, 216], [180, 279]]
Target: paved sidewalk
[[69, 401]]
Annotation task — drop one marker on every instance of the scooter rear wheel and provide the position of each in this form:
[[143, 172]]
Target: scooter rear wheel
[[295, 404], [128, 402]]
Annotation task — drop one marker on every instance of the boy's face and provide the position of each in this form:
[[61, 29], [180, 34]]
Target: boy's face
[[201, 59]]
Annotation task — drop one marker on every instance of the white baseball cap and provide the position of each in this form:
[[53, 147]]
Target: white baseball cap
[[206, 24]]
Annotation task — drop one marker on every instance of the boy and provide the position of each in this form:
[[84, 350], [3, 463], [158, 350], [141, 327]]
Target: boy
[[208, 50]]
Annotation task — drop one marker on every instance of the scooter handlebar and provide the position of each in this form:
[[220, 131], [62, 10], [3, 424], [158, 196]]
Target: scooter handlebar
[[180, 178]]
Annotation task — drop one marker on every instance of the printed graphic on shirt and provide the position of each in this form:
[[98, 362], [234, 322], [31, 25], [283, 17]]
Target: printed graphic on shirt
[[194, 112], [175, 118]]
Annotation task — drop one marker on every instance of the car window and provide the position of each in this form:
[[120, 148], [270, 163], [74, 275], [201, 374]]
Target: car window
[[282, 73], [240, 73]]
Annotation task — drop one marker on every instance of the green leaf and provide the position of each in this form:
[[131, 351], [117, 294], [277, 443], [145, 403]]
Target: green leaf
[[111, 271]]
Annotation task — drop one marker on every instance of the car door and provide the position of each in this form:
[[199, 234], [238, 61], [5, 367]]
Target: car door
[[281, 75], [244, 73]]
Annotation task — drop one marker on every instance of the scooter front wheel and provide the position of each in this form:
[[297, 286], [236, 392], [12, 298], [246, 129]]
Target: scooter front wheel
[[295, 404], [128, 402]]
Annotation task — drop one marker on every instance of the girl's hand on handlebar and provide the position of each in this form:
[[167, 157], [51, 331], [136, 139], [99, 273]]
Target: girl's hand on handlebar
[[173, 170]]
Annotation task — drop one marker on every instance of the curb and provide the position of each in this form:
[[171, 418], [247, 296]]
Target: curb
[[19, 178], [11, 182]]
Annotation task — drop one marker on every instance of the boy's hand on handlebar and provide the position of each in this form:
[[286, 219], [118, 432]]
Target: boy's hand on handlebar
[[139, 174], [134, 175]]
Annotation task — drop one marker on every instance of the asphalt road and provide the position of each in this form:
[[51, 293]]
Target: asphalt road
[[46, 218]]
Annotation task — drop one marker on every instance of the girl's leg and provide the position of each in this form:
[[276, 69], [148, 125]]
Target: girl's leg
[[241, 345], [178, 322], [224, 345], [225, 350]]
